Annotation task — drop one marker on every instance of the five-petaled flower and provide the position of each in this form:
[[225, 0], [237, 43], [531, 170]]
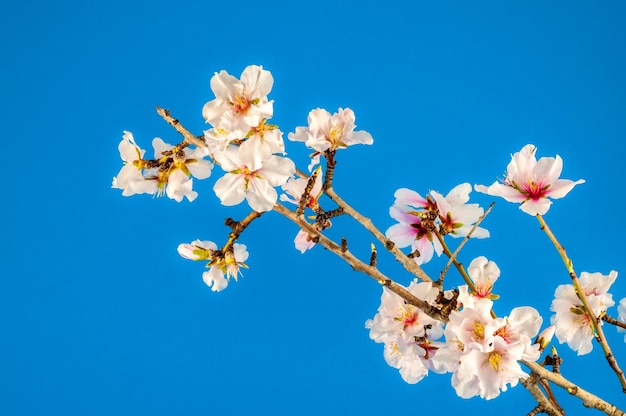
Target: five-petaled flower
[[531, 182]]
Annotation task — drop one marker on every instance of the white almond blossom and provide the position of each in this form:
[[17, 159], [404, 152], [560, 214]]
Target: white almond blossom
[[240, 105], [407, 333], [531, 182], [573, 323], [252, 175], [483, 352], [222, 266], [130, 178], [330, 132]]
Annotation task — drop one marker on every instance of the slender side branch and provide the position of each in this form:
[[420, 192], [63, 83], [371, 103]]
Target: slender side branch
[[189, 137], [465, 240], [238, 227], [543, 404], [358, 265], [608, 319], [595, 321], [588, 399]]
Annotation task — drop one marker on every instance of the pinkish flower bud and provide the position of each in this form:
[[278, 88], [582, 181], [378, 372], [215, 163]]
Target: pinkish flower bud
[[544, 338]]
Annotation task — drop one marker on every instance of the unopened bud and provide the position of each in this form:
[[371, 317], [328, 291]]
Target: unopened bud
[[193, 252], [544, 338]]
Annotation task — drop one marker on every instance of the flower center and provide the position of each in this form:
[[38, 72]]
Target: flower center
[[495, 359], [408, 316], [479, 330], [241, 104]]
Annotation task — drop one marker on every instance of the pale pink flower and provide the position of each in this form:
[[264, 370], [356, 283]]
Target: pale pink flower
[[573, 323], [483, 352], [240, 105], [484, 274], [487, 372], [420, 217], [412, 230], [330, 132], [407, 332], [396, 318], [456, 216], [252, 175], [531, 182], [410, 357]]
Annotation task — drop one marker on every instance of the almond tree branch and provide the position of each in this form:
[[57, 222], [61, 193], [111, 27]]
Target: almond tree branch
[[543, 404], [189, 137], [595, 321], [358, 265], [465, 240], [588, 399]]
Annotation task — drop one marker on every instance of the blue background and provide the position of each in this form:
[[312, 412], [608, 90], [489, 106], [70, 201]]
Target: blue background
[[98, 313]]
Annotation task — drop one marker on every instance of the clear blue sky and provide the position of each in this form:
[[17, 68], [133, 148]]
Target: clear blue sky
[[100, 316]]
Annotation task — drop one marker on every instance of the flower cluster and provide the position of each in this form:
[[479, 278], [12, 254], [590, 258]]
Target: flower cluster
[[423, 221], [463, 336], [531, 182], [169, 172], [482, 352], [222, 264], [407, 332], [242, 142], [572, 321]]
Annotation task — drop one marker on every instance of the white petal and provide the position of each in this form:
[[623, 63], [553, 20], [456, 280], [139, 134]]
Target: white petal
[[230, 189]]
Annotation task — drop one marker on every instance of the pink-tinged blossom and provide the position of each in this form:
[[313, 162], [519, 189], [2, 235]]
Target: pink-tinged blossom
[[485, 373], [483, 352], [240, 105], [326, 131], [456, 216], [222, 266], [407, 333], [252, 175], [573, 323], [484, 274], [420, 217], [396, 318], [411, 357], [531, 182], [413, 229]]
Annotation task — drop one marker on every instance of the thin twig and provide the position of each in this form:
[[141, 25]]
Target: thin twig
[[465, 240], [606, 318]]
